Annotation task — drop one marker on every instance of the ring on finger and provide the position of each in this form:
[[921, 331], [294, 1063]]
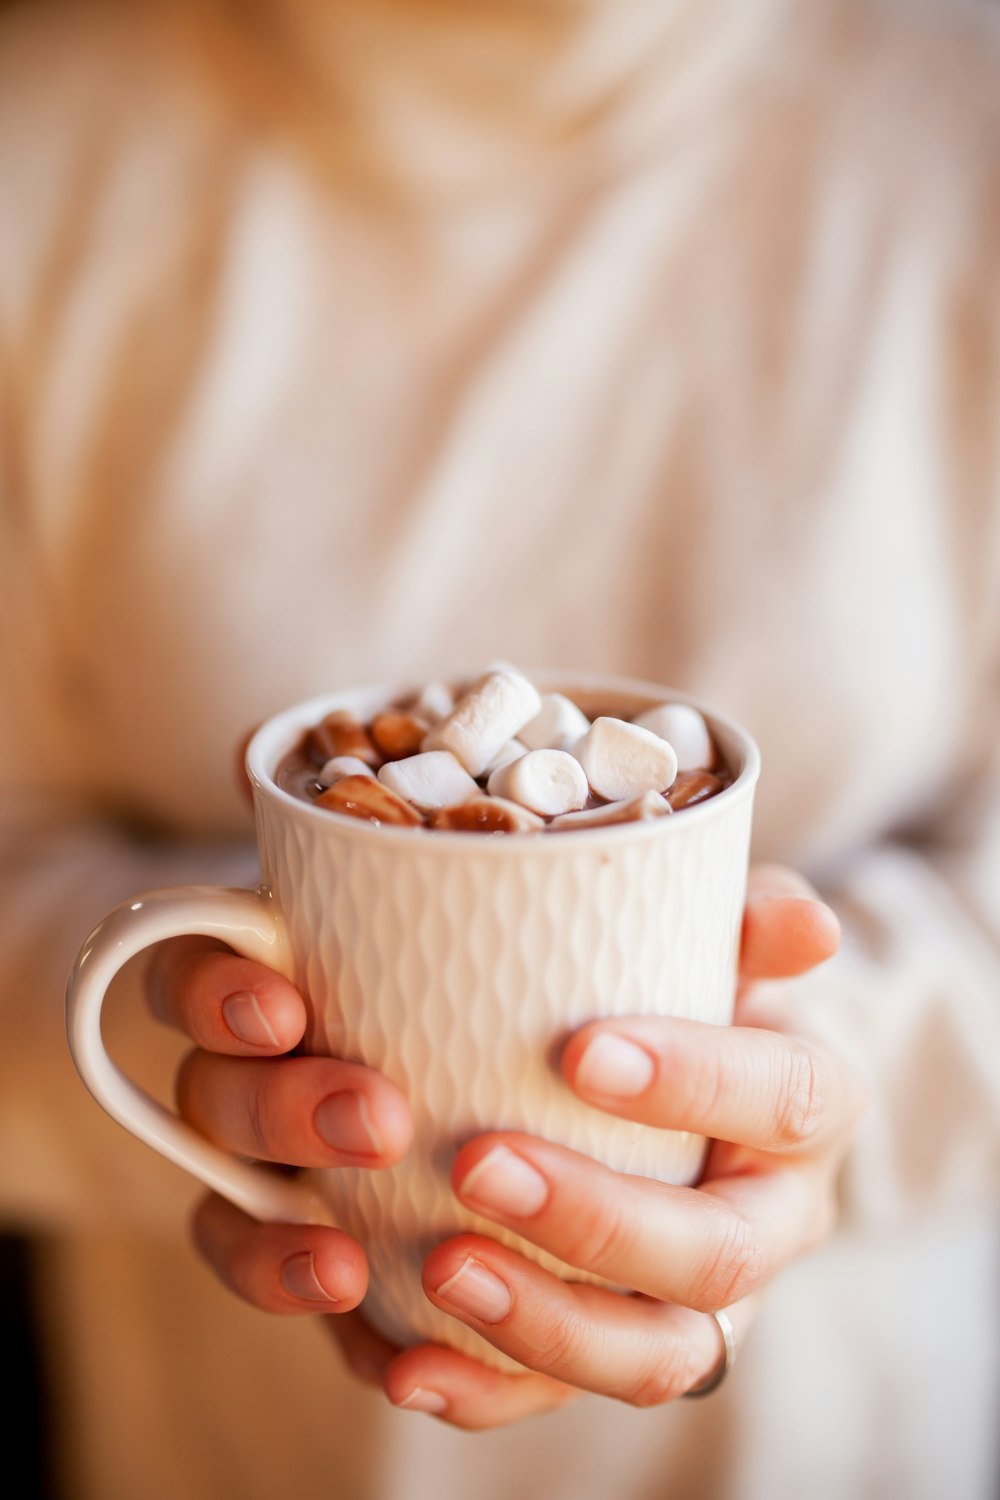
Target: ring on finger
[[726, 1360]]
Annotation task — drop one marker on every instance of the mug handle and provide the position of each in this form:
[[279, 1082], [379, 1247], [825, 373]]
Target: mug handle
[[249, 922]]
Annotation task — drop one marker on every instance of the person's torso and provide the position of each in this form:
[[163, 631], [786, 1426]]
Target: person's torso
[[704, 412]]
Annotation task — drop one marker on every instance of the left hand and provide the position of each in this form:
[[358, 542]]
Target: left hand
[[780, 1111]]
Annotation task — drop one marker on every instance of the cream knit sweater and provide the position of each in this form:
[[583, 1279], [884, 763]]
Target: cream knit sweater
[[363, 337]]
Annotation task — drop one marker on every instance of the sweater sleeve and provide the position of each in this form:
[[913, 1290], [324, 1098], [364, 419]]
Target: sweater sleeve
[[913, 1000]]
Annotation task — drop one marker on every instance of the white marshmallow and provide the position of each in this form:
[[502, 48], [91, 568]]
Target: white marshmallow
[[638, 810], [684, 729], [548, 782], [436, 702], [557, 727], [492, 712], [623, 760], [340, 766], [508, 752], [430, 780]]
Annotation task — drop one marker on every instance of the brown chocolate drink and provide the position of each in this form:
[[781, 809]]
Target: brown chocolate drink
[[336, 766]]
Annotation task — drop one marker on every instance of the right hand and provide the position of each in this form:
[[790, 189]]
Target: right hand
[[313, 1111], [247, 1097]]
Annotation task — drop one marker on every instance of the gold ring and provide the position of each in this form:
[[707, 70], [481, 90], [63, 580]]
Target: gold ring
[[726, 1361]]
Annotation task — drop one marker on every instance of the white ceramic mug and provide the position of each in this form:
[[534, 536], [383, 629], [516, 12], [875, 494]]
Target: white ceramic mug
[[456, 964]]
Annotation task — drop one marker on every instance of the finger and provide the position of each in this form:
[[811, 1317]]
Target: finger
[[280, 1268], [306, 1111], [223, 1002], [466, 1393], [632, 1348], [672, 1243], [441, 1382], [366, 1353], [756, 1088], [787, 930]]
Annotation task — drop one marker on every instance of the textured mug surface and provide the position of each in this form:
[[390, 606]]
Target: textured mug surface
[[457, 964]]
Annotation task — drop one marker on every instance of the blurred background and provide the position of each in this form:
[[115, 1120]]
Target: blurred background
[[344, 339]]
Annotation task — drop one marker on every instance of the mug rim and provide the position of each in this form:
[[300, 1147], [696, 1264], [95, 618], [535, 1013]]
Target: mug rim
[[278, 735]]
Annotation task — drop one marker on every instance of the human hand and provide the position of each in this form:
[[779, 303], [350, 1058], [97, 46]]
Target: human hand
[[311, 1111], [780, 1112]]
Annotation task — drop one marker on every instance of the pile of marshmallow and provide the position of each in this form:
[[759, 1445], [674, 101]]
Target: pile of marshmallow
[[505, 758]]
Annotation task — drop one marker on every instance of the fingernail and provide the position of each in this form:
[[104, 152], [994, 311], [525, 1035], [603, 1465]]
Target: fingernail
[[422, 1400], [299, 1279], [614, 1067], [345, 1123], [243, 1015], [505, 1182], [476, 1291]]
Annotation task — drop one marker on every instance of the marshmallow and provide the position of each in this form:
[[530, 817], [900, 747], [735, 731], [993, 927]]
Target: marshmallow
[[365, 797], [487, 815], [430, 781], [398, 734], [508, 752], [623, 760], [340, 733], [637, 810], [492, 712], [548, 782], [691, 787], [340, 766], [684, 729], [557, 726], [436, 702]]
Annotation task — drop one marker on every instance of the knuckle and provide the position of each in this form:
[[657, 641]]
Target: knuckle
[[259, 1114], [602, 1241], [703, 1085], [555, 1342], [735, 1265], [170, 972], [801, 1107], [666, 1377]]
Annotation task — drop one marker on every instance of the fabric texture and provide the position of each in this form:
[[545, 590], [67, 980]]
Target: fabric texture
[[384, 339]]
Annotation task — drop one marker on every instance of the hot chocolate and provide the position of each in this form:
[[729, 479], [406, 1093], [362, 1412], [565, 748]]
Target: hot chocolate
[[497, 756]]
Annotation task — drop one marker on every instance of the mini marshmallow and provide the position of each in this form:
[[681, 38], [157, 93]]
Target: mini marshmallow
[[637, 810], [365, 797], [340, 733], [692, 787], [623, 760], [508, 752], [487, 815], [397, 734], [492, 712], [557, 726], [436, 702], [548, 782], [343, 765], [685, 729], [431, 780]]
